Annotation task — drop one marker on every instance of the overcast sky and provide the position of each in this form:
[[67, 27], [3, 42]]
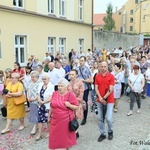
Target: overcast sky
[[100, 6]]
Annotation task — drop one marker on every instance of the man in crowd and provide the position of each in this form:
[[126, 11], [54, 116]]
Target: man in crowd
[[84, 73], [104, 84]]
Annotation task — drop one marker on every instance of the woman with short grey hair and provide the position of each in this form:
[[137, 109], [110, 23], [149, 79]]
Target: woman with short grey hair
[[32, 95], [45, 91], [63, 105]]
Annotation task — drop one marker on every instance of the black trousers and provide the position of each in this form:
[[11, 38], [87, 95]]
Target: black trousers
[[85, 98]]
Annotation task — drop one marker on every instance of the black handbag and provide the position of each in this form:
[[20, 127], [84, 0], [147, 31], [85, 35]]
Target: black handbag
[[4, 111], [73, 124]]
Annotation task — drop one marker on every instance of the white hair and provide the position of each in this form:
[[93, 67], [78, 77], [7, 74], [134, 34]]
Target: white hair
[[46, 75], [63, 81], [34, 73]]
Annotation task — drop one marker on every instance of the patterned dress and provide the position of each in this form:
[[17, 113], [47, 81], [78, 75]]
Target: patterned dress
[[32, 91], [77, 87], [42, 111]]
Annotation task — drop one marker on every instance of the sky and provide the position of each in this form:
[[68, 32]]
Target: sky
[[100, 6]]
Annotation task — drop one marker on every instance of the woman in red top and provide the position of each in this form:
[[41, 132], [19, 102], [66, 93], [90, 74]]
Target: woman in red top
[[18, 69]]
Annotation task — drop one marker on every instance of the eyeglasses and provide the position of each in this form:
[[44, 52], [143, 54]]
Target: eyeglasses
[[44, 79]]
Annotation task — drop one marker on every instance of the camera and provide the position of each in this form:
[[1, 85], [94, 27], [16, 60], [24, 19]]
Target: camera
[[94, 106]]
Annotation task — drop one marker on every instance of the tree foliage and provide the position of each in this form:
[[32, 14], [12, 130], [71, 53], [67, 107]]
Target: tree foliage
[[109, 21]]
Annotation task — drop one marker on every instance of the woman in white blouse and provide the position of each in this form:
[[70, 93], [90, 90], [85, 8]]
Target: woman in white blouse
[[136, 83], [45, 91]]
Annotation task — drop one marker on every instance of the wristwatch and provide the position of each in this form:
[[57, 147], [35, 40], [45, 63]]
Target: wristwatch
[[104, 98]]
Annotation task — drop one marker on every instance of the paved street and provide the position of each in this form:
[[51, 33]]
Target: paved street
[[130, 132]]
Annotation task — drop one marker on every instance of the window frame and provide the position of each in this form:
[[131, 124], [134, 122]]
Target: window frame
[[50, 46], [80, 45], [17, 4], [136, 1], [62, 46], [19, 46], [131, 12], [131, 19], [80, 7], [50, 6], [61, 9], [131, 28]]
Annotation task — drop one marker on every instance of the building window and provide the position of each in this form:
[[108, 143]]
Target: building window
[[18, 3], [62, 7], [136, 1], [20, 49], [131, 12], [51, 45], [131, 20], [80, 11], [119, 13], [131, 28], [51, 6], [81, 45], [62, 45]]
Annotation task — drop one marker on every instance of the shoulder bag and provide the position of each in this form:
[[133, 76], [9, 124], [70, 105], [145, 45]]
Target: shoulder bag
[[88, 84], [19, 99], [73, 124], [128, 90]]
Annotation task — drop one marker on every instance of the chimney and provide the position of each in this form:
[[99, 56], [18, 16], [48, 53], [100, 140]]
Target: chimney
[[116, 9]]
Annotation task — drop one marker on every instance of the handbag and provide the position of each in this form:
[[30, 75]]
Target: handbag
[[73, 124], [88, 84], [4, 111], [128, 90], [19, 99]]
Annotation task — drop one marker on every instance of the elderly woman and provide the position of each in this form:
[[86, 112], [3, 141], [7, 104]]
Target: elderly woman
[[32, 95], [63, 104], [77, 87], [136, 82], [45, 91], [15, 89]]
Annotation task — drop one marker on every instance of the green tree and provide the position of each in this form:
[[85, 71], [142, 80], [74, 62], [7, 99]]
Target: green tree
[[109, 21]]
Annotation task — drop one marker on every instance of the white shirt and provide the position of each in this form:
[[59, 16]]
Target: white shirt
[[147, 73], [62, 72], [47, 57], [122, 76], [26, 80], [48, 92], [55, 76], [136, 81]]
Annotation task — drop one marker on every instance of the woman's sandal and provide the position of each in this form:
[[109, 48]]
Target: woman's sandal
[[38, 138], [5, 131]]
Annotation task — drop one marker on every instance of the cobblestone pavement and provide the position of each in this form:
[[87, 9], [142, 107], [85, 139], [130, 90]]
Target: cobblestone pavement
[[130, 132]]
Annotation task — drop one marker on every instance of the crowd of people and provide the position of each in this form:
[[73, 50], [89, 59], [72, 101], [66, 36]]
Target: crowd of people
[[57, 89]]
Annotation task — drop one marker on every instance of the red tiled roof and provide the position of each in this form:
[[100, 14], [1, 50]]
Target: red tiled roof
[[98, 19]]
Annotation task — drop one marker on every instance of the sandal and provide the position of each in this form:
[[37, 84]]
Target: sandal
[[129, 114], [38, 138], [21, 128], [115, 110], [5, 131]]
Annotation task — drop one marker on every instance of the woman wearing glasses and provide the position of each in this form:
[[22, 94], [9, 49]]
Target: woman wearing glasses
[[14, 89]]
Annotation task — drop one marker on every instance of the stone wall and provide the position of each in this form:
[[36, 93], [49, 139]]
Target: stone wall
[[110, 40]]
